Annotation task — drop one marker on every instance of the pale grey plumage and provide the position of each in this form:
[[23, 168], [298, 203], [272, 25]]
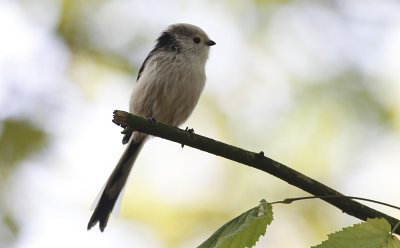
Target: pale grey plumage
[[169, 85]]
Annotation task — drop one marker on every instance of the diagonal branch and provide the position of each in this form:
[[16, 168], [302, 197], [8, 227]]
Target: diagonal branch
[[255, 160]]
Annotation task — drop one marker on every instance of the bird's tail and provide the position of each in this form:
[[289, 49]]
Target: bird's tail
[[115, 185]]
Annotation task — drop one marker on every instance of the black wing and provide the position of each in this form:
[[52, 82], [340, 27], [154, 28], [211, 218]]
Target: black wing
[[145, 61]]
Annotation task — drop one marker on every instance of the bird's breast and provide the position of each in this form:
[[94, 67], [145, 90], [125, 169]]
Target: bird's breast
[[168, 90]]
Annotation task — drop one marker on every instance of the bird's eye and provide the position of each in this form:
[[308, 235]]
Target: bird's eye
[[196, 40]]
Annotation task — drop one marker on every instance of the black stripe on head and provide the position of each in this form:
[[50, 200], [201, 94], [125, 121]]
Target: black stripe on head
[[165, 42], [168, 42]]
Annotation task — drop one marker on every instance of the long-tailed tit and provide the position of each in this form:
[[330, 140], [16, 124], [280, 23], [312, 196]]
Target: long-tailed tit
[[168, 88]]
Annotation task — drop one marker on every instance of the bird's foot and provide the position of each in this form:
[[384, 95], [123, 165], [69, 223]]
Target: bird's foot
[[152, 120], [127, 132], [190, 131]]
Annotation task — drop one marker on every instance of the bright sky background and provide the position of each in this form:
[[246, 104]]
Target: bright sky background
[[274, 84]]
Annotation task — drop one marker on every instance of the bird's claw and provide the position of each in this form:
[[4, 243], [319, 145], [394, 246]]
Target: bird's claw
[[190, 131], [152, 120], [127, 132]]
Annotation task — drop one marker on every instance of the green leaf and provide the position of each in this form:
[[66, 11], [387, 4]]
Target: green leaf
[[242, 231], [370, 234]]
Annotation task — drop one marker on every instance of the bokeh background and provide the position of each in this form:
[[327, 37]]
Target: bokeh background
[[314, 84]]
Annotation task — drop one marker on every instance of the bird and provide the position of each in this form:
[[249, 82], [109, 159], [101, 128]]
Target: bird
[[168, 87]]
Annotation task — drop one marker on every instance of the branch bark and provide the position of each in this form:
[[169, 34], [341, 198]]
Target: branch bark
[[255, 160]]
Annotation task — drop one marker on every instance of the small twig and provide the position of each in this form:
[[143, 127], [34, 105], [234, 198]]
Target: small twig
[[395, 227], [290, 200], [255, 160]]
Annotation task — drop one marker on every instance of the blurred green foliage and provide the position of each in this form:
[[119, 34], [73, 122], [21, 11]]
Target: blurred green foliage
[[12, 226], [171, 221], [353, 97], [9, 234], [19, 139], [75, 26], [271, 1]]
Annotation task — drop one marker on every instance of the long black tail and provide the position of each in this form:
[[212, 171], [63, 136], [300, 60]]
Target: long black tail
[[114, 186]]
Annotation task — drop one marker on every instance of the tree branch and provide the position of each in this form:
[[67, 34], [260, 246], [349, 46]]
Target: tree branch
[[255, 160]]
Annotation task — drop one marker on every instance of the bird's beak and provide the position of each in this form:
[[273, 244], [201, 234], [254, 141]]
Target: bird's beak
[[210, 43]]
